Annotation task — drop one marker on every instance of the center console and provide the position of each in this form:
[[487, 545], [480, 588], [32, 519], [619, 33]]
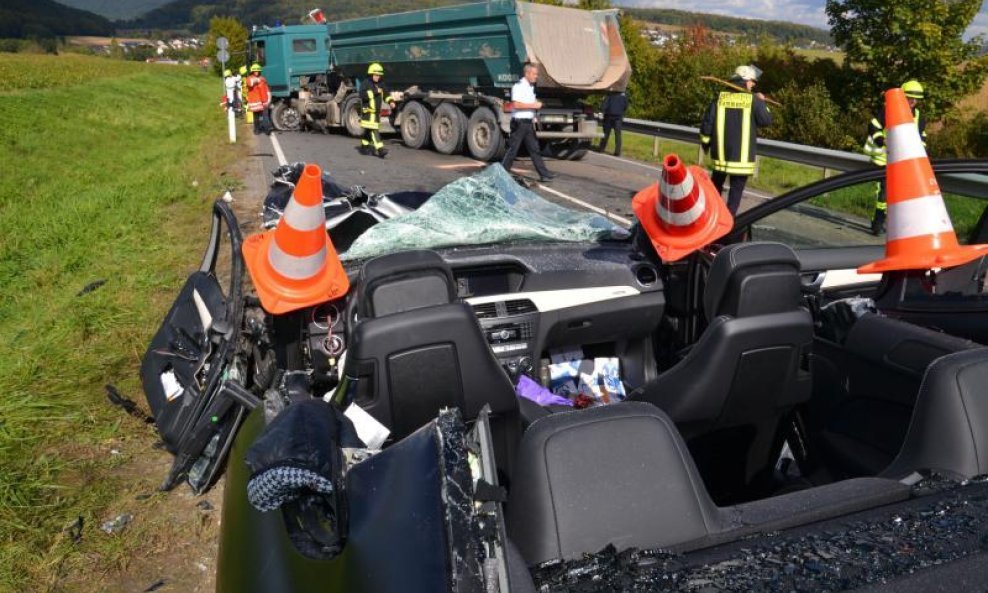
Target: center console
[[510, 327]]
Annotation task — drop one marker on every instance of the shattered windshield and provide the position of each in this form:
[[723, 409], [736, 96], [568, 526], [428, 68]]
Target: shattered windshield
[[489, 207]]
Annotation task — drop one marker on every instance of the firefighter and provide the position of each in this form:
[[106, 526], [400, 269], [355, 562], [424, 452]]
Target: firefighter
[[243, 94], [729, 133], [875, 147], [372, 99], [258, 99]]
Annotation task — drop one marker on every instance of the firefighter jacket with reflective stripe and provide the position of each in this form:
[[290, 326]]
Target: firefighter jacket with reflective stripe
[[874, 145], [729, 130], [258, 95], [372, 100]]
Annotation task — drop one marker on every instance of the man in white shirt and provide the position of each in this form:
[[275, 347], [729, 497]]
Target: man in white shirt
[[523, 123]]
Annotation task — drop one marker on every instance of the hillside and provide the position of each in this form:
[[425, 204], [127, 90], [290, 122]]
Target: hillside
[[46, 19], [116, 10], [779, 30], [195, 14]]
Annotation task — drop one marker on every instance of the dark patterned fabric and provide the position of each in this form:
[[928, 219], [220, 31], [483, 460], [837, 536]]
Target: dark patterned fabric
[[274, 487]]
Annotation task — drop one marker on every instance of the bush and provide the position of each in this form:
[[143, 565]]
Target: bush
[[810, 116], [961, 137]]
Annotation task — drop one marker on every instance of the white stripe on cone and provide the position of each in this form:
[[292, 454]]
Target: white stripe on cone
[[682, 218], [304, 218], [293, 266], [904, 143], [679, 191], [918, 217]]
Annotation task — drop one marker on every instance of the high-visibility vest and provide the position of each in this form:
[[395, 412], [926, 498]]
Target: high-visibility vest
[[874, 145], [729, 129], [258, 95]]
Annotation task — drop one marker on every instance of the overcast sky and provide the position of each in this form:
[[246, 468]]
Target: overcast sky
[[808, 12]]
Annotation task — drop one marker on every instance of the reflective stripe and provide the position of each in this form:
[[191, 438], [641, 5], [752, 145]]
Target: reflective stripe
[[734, 167], [704, 139], [294, 267], [745, 135], [682, 218], [903, 143], [677, 191], [721, 115], [304, 218], [918, 217]]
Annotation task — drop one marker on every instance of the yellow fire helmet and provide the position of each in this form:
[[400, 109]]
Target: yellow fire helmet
[[913, 89], [375, 68]]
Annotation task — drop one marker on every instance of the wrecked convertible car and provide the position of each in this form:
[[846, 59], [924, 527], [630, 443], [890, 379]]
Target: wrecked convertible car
[[489, 392]]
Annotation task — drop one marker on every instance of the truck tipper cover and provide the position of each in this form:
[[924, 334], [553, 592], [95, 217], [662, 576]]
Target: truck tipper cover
[[484, 45]]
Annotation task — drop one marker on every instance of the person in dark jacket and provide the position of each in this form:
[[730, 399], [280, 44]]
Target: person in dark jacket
[[615, 104], [372, 100], [729, 133]]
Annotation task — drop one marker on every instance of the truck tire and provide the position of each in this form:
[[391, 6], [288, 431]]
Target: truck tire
[[285, 117], [449, 129], [416, 122], [351, 116], [484, 138]]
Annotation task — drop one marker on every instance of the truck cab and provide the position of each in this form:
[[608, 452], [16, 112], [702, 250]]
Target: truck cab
[[289, 52]]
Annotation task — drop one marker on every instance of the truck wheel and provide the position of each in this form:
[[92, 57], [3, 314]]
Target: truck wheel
[[285, 117], [415, 124], [351, 116], [484, 138], [449, 129]]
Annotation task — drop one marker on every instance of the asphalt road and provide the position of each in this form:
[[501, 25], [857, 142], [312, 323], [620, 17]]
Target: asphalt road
[[600, 183]]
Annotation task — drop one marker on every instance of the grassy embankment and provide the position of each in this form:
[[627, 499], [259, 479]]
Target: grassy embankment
[[109, 171], [776, 177]]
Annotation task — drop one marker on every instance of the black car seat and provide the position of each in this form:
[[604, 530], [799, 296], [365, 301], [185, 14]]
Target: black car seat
[[622, 475], [414, 350], [948, 432], [730, 393]]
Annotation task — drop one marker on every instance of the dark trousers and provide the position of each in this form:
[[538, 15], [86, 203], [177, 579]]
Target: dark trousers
[[522, 131], [737, 189], [612, 122], [261, 123]]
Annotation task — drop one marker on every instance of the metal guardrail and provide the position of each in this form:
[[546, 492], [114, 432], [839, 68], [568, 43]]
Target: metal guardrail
[[973, 185], [824, 158]]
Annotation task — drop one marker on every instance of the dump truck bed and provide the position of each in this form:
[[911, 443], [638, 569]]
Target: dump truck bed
[[484, 46]]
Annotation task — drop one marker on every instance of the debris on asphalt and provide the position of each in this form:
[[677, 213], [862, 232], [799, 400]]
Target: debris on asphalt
[[74, 529], [155, 586], [117, 524], [127, 405], [90, 287]]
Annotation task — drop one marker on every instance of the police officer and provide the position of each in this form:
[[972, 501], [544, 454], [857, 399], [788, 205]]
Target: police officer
[[615, 104], [729, 133], [524, 106], [372, 99], [875, 147]]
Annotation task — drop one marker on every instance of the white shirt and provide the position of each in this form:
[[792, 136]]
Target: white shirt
[[523, 92]]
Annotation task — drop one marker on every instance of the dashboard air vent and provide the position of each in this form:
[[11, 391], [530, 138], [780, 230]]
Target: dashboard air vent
[[485, 310], [519, 307]]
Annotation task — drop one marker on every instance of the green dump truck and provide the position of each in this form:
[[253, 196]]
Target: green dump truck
[[453, 69]]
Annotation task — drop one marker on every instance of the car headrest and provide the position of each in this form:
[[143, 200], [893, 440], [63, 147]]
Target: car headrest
[[404, 281], [618, 474], [948, 432], [748, 279]]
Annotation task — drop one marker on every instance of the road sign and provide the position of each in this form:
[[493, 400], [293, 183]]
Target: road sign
[[223, 55], [222, 43]]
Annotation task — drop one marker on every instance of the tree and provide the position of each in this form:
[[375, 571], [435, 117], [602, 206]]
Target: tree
[[595, 4], [236, 34], [888, 43]]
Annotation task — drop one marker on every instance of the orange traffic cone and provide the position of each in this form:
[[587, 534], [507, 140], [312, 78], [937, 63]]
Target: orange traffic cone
[[683, 212], [919, 234], [295, 265]]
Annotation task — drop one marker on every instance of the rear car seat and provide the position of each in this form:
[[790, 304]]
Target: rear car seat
[[622, 475], [865, 390]]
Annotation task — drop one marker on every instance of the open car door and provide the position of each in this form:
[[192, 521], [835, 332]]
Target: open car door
[[191, 372]]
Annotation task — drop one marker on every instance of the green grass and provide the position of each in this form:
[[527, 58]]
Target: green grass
[[97, 184]]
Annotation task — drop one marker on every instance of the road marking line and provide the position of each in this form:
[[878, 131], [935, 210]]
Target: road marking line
[[459, 166], [583, 204], [277, 151]]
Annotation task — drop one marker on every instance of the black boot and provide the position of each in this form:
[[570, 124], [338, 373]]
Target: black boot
[[365, 150], [381, 152], [878, 223]]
